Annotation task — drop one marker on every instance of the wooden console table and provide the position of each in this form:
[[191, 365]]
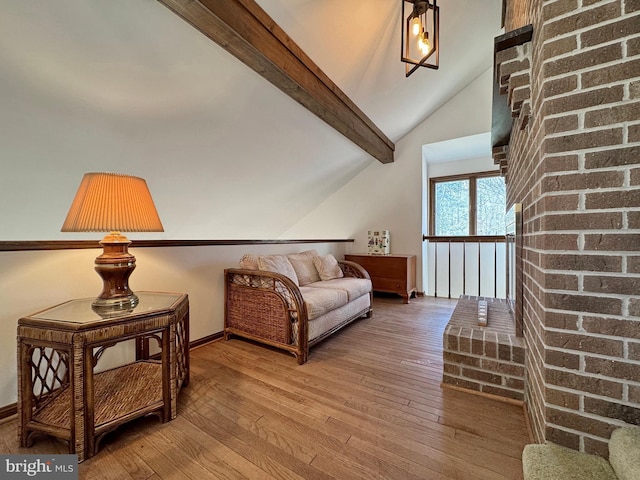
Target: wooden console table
[[60, 395], [389, 273]]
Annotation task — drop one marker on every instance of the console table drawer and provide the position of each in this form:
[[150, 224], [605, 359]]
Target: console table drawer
[[389, 273]]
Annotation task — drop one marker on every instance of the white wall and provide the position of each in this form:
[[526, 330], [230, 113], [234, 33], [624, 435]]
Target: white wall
[[390, 197], [31, 281], [380, 197]]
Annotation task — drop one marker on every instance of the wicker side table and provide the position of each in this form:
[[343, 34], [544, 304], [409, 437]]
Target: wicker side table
[[58, 392]]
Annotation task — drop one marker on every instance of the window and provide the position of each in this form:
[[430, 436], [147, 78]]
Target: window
[[465, 205]]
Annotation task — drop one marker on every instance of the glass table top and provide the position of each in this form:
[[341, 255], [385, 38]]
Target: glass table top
[[80, 311]]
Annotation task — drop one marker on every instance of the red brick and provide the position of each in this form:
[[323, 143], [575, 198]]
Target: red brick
[[582, 221], [633, 264], [611, 327], [582, 100], [562, 399], [559, 47], [612, 115], [634, 394], [612, 368], [635, 176], [502, 392], [581, 61], [581, 262], [519, 81], [634, 351], [560, 86], [461, 359], [582, 19], [618, 411], [633, 46], [584, 383], [582, 181], [562, 359], [631, 6], [612, 242], [583, 303], [634, 307], [556, 9], [458, 382], [481, 376], [567, 123], [620, 71], [584, 140], [562, 437], [515, 383], [613, 158], [566, 321], [633, 220], [491, 344], [607, 284], [559, 163], [503, 368], [507, 54], [451, 369], [560, 241], [511, 67], [634, 130], [577, 422], [584, 343], [617, 199], [554, 203], [596, 447], [609, 32], [556, 281]]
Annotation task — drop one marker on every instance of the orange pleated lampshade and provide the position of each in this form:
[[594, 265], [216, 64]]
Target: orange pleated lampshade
[[112, 202]]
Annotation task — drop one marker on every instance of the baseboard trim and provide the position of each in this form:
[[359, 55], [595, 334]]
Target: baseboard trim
[[12, 409], [205, 340], [491, 396], [8, 411]]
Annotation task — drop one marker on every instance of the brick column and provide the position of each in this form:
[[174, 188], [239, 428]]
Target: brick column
[[575, 167]]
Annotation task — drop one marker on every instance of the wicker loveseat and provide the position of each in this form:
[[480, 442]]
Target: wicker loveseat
[[294, 301]]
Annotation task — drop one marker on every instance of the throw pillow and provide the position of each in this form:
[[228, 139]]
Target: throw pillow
[[305, 268], [278, 264], [249, 261], [328, 267]]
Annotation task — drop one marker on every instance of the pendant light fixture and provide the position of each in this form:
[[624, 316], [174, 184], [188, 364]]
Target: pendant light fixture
[[420, 34]]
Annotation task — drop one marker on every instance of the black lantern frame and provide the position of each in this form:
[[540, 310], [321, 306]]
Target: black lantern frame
[[429, 14]]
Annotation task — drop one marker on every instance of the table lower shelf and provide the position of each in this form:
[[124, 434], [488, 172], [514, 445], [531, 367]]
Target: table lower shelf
[[120, 394]]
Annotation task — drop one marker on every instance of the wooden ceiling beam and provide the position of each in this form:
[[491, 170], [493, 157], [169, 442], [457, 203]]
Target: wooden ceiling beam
[[245, 30]]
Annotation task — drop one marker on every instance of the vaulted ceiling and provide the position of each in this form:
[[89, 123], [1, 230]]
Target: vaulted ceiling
[[126, 85]]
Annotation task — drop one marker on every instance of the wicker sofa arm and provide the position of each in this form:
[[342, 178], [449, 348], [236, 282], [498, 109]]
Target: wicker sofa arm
[[265, 306], [352, 269]]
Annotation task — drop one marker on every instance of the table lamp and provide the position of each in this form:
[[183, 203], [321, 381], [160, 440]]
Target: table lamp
[[113, 202]]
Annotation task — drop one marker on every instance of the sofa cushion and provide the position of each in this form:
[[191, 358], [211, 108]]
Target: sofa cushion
[[322, 300], [321, 325], [278, 264], [327, 267], [305, 268], [355, 287], [624, 452]]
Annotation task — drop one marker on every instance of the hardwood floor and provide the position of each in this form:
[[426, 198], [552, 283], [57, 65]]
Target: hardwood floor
[[367, 405]]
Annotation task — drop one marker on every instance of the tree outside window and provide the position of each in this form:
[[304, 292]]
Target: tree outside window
[[465, 205]]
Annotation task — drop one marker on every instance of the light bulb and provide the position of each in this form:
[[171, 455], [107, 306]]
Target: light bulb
[[423, 43], [416, 26]]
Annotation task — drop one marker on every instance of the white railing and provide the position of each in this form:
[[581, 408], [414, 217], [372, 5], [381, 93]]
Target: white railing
[[472, 265]]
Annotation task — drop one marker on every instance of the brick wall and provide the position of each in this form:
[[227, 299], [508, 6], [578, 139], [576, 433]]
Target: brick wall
[[487, 359], [574, 164]]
